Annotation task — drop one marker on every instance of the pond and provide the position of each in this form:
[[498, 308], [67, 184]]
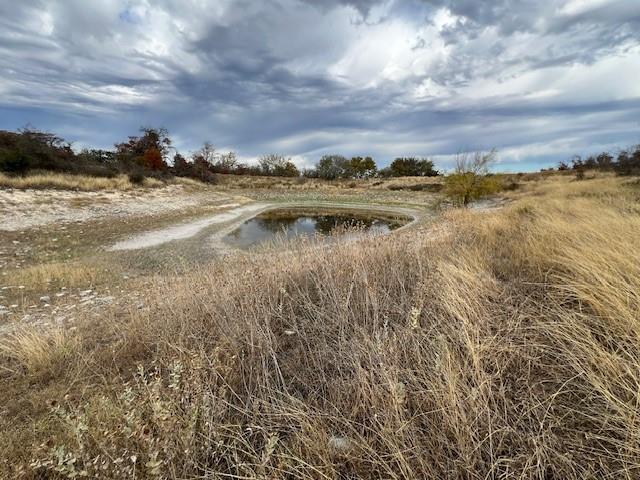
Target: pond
[[285, 224]]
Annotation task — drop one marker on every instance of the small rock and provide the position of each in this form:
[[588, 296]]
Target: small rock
[[289, 332], [61, 294], [339, 444], [45, 298]]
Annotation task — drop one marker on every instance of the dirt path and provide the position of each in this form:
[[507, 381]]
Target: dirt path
[[185, 230]]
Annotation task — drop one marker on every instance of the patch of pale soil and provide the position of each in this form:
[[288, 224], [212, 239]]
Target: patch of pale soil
[[22, 209], [185, 230]]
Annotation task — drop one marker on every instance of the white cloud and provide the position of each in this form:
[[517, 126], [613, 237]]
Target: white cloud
[[303, 78]]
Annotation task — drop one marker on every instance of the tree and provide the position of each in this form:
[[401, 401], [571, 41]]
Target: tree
[[34, 149], [278, 166], [362, 167], [470, 179], [202, 169], [149, 150], [226, 163], [12, 161], [331, 167], [288, 170], [203, 160], [412, 167], [244, 169], [207, 153], [153, 159], [604, 161], [579, 166], [629, 161], [310, 173], [181, 167]]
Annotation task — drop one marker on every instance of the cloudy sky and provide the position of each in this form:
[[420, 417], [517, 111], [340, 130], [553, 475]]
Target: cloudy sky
[[539, 80]]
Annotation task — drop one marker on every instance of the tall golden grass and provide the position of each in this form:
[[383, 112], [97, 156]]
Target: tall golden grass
[[507, 348], [66, 181]]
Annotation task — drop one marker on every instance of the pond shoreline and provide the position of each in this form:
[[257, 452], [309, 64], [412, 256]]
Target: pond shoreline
[[231, 219]]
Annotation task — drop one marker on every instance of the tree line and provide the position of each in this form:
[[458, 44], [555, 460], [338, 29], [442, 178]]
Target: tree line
[[626, 162], [151, 153]]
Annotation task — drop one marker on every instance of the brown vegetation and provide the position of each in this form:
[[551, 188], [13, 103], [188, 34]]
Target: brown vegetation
[[508, 346], [67, 181]]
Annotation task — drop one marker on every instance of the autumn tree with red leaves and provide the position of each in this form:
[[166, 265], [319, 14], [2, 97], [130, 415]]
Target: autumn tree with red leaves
[[153, 159]]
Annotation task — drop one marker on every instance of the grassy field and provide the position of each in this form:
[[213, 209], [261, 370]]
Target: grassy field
[[495, 344]]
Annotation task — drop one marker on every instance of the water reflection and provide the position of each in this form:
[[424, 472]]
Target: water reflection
[[289, 224]]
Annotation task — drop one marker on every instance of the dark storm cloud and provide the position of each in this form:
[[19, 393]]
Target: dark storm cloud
[[538, 80]]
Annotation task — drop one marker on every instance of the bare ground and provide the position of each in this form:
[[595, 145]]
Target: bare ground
[[22, 209]]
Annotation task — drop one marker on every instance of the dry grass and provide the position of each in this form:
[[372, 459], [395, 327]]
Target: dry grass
[[508, 348], [36, 352], [65, 181], [45, 276], [312, 184]]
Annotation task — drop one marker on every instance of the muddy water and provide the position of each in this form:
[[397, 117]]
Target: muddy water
[[292, 223]]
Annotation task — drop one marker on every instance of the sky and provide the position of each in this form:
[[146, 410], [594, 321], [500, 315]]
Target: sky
[[537, 80]]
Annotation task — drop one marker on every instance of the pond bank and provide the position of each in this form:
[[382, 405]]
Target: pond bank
[[235, 216]]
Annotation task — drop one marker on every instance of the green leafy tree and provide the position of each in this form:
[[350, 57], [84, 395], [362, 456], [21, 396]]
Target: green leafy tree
[[412, 167], [360, 167], [331, 167]]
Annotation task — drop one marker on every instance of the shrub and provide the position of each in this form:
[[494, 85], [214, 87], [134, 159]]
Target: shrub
[[470, 179], [418, 187], [412, 167], [13, 162], [137, 178]]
